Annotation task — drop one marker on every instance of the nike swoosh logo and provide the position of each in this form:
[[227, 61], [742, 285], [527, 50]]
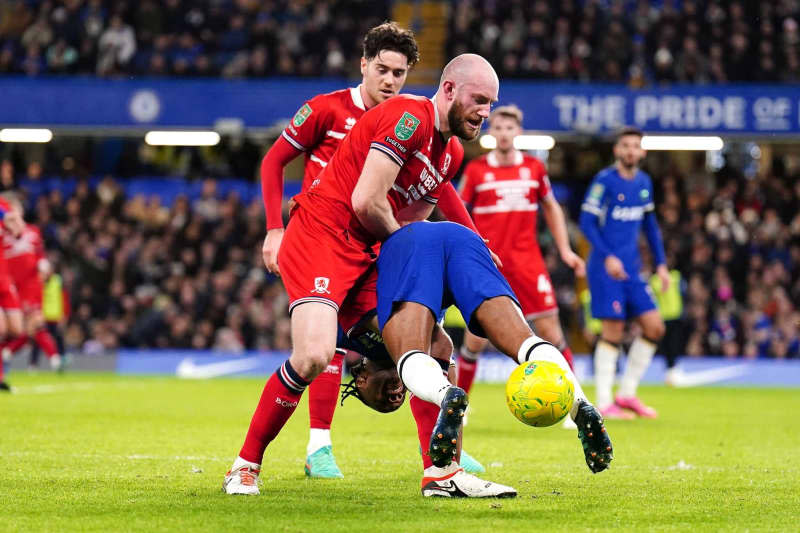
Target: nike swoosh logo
[[449, 487]]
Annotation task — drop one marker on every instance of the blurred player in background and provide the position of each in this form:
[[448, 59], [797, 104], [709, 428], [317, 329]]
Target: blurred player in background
[[504, 190], [11, 325], [618, 204], [28, 268], [390, 170]]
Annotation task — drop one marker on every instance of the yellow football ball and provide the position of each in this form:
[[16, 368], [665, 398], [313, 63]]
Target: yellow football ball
[[539, 393]]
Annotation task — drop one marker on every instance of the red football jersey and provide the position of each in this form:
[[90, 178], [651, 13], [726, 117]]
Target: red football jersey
[[406, 130], [505, 202], [319, 126], [23, 253]]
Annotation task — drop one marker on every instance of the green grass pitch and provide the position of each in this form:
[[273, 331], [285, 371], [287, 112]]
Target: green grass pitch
[[98, 452]]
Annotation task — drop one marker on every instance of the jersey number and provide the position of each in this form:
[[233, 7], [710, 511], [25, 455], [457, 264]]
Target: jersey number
[[543, 284]]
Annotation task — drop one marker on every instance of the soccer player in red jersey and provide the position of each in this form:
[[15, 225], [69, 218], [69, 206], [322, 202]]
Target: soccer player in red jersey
[[10, 316], [504, 190], [316, 131], [27, 266], [389, 170]]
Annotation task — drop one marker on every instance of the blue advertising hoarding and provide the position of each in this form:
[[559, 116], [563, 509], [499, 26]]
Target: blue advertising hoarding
[[733, 109]]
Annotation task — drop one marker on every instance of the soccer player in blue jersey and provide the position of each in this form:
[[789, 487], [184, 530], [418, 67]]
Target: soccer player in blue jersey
[[422, 269], [618, 205]]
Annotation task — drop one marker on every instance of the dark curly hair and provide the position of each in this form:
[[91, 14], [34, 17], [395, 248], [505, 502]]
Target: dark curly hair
[[390, 36]]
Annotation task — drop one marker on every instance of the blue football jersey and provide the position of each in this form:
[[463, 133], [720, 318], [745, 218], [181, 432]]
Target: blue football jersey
[[620, 206]]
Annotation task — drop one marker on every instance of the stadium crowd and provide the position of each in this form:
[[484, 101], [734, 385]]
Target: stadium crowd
[[638, 42], [232, 39], [190, 275]]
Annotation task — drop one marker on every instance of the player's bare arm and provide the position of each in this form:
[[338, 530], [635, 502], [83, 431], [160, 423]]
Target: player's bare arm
[[554, 217], [415, 212], [369, 200]]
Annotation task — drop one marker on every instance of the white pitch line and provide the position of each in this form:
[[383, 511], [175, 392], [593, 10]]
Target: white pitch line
[[110, 456], [55, 388]]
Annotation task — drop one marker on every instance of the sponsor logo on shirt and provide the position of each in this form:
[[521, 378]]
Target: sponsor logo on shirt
[[395, 144], [446, 164], [627, 213], [302, 114], [406, 126]]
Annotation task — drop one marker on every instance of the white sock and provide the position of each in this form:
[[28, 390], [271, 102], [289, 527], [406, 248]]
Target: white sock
[[422, 375], [537, 349], [318, 438], [468, 354], [239, 463], [639, 357], [605, 366]]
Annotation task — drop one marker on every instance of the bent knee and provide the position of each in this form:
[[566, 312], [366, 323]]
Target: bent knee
[[312, 360]]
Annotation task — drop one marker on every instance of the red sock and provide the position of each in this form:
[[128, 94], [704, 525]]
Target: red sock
[[16, 343], [466, 372], [567, 353], [425, 415], [323, 393], [46, 342], [278, 401]]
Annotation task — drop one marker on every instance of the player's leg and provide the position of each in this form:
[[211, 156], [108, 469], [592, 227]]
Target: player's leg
[[548, 327], [434, 393], [323, 395], [502, 321], [672, 346], [314, 343], [467, 362], [640, 355], [606, 353], [34, 325]]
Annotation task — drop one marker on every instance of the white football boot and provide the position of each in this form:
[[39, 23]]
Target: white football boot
[[242, 480], [452, 482]]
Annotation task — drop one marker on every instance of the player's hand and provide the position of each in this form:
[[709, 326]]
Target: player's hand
[[269, 252], [615, 268], [663, 275], [575, 262]]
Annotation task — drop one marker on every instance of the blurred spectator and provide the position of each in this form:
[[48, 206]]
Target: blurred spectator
[[692, 40], [116, 47]]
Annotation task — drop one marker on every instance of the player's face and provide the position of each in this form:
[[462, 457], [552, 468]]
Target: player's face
[[504, 129], [628, 150], [384, 75], [381, 388], [471, 105]]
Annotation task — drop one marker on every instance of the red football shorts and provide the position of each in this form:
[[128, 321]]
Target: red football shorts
[[321, 262], [9, 299], [531, 284], [30, 293]]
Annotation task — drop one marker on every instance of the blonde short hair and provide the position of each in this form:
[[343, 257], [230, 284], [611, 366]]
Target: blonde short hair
[[508, 111]]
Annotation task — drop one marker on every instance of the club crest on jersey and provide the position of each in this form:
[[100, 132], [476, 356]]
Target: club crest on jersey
[[321, 285], [644, 193], [406, 126], [597, 191], [349, 123], [302, 114]]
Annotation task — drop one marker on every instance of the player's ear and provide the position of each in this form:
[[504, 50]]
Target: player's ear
[[449, 88], [363, 65]]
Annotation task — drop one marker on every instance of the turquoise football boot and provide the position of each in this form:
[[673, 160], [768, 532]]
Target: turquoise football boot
[[322, 465]]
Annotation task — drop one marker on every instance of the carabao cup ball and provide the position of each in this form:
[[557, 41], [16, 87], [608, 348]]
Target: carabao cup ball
[[539, 393]]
